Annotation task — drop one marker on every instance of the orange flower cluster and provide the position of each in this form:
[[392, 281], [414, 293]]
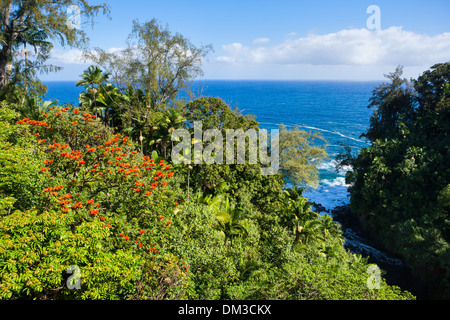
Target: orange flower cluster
[[27, 121], [186, 267], [154, 250], [74, 154], [66, 196], [126, 238], [64, 202], [77, 205], [53, 189], [57, 146], [88, 117], [142, 173]]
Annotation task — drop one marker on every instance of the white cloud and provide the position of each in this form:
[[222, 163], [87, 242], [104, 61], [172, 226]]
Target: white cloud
[[71, 56], [260, 41], [357, 47]]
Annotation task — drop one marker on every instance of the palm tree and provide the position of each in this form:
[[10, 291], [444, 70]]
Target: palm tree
[[329, 227], [170, 120], [309, 231], [229, 218], [112, 101], [92, 79]]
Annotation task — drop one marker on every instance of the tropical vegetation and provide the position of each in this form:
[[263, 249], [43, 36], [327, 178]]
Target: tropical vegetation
[[92, 207], [400, 189]]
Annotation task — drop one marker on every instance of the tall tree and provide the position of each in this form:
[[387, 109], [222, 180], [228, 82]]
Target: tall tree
[[393, 104], [154, 70], [300, 154], [43, 17], [156, 61]]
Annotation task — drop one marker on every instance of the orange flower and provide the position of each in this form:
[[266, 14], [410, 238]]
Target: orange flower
[[77, 205], [81, 162], [148, 193]]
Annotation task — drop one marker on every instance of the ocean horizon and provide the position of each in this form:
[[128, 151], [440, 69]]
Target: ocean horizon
[[336, 109]]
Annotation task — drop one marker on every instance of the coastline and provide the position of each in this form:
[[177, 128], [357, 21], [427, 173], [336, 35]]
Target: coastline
[[394, 270]]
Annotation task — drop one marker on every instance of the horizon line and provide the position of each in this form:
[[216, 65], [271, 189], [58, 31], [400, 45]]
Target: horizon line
[[280, 80]]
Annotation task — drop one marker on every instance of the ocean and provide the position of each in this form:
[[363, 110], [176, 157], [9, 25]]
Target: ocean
[[338, 110]]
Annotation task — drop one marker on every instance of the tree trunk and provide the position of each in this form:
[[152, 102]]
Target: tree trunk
[[4, 60], [5, 52]]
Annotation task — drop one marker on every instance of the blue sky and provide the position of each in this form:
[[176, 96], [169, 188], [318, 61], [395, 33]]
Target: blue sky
[[286, 39]]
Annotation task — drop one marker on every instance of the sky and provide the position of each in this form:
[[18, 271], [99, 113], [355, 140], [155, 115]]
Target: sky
[[284, 39]]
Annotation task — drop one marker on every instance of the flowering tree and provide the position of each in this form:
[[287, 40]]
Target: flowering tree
[[104, 208]]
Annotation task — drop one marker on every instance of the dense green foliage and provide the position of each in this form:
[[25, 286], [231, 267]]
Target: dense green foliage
[[400, 184], [28, 30], [91, 206], [94, 202]]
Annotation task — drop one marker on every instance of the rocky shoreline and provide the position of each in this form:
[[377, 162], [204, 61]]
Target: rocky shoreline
[[393, 269]]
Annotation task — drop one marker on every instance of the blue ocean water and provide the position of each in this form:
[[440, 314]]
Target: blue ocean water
[[338, 110]]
